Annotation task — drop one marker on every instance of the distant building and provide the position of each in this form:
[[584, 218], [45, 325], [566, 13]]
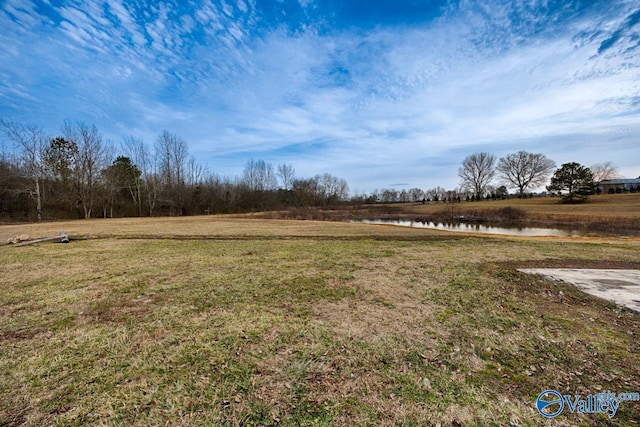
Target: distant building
[[617, 185]]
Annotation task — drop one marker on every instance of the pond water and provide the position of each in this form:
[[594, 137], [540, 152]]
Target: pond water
[[479, 228]]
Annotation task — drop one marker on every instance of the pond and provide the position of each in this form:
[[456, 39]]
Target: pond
[[479, 228]]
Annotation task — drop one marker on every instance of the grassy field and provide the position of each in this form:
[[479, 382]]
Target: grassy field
[[219, 321]]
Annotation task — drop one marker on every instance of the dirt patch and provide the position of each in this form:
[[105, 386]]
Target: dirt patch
[[8, 337]]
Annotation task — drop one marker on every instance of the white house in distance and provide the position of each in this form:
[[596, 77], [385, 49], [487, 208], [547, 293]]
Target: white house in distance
[[619, 185]]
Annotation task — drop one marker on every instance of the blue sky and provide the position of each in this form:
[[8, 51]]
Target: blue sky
[[376, 92]]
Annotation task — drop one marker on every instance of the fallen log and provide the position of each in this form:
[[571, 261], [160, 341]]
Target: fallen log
[[62, 238]]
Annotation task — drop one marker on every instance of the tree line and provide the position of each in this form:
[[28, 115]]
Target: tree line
[[523, 171], [485, 176], [81, 174]]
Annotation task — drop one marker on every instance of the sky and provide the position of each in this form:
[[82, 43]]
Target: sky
[[380, 93]]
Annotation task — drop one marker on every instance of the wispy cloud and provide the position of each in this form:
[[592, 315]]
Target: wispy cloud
[[387, 97]]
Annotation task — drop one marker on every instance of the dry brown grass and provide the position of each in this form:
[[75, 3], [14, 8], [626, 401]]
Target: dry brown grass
[[206, 227], [210, 321]]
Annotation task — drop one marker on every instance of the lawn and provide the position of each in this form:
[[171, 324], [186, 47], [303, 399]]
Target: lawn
[[219, 321]]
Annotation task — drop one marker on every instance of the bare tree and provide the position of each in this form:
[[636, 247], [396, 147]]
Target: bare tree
[[152, 184], [286, 173], [108, 187], [389, 195], [259, 175], [148, 186], [416, 194], [136, 150], [331, 189], [194, 190], [171, 152], [31, 141], [195, 172], [524, 170], [89, 162], [604, 171], [435, 194], [257, 182], [477, 171], [375, 196]]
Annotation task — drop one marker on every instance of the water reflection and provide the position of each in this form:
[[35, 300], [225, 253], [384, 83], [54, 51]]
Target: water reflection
[[479, 228]]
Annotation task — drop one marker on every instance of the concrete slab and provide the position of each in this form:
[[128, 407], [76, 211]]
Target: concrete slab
[[621, 286]]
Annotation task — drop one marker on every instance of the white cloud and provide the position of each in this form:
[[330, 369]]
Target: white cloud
[[24, 13], [366, 103]]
